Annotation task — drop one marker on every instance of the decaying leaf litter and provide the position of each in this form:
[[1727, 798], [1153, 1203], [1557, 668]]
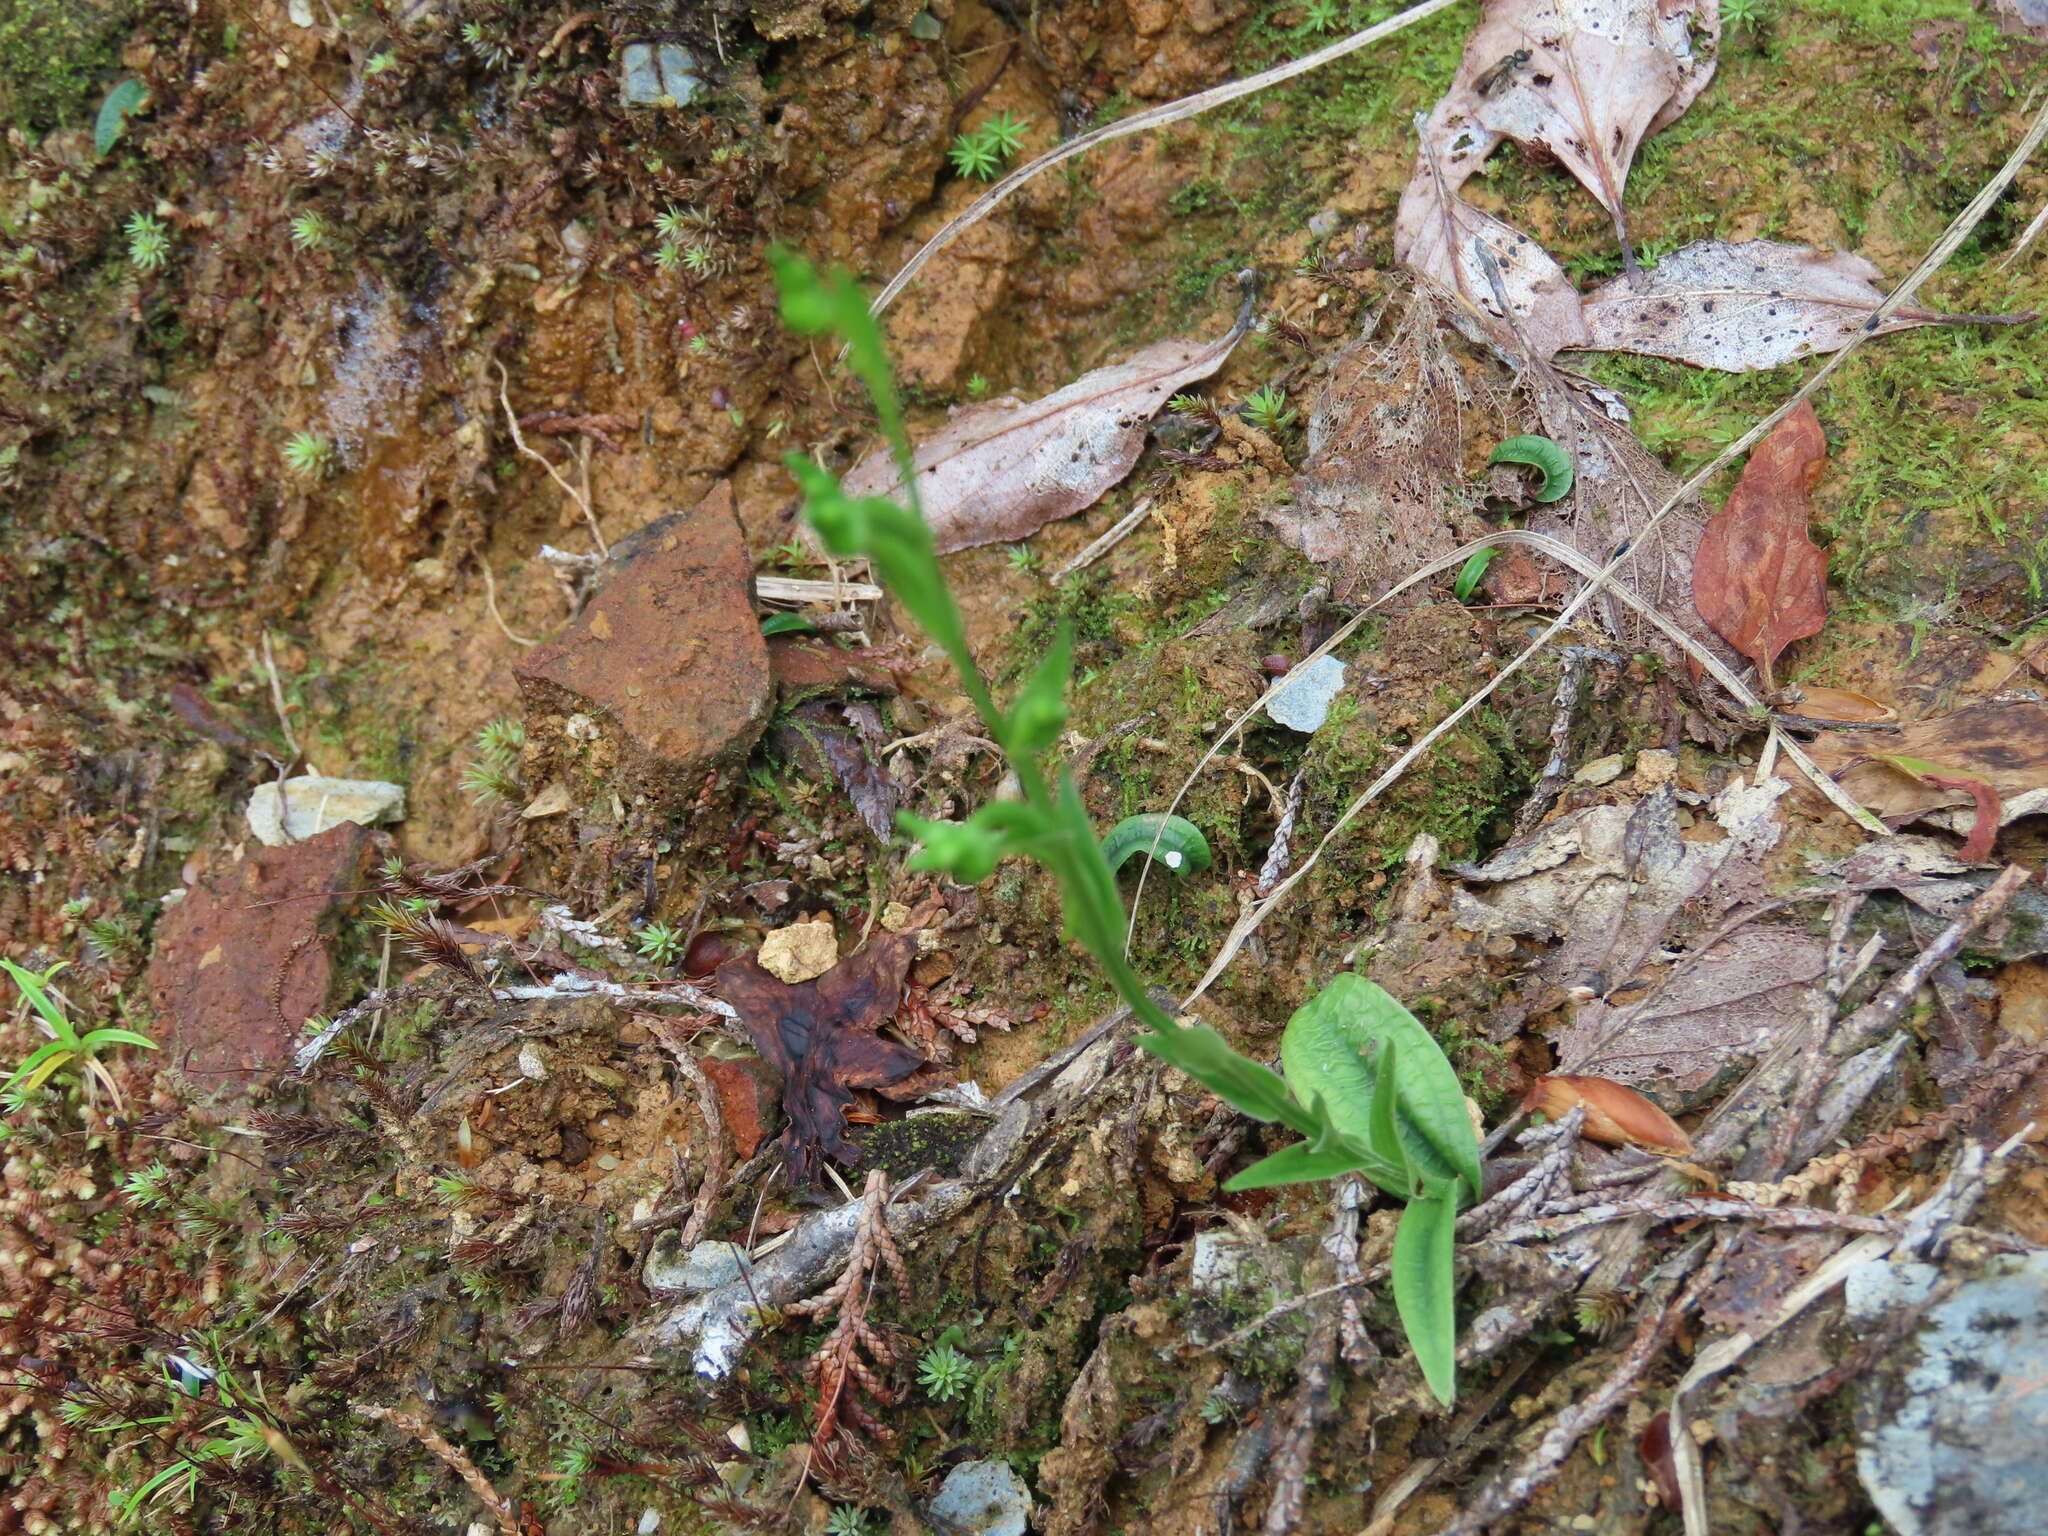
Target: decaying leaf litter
[[1630, 851]]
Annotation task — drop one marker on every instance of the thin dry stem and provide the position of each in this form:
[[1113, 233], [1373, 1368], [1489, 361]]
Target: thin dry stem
[[412, 1424]]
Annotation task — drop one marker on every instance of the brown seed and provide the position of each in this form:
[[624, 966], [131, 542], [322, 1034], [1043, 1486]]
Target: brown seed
[[707, 952]]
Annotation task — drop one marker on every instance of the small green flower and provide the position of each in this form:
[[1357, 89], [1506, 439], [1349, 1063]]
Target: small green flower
[[149, 243], [310, 231], [309, 456], [944, 1372]]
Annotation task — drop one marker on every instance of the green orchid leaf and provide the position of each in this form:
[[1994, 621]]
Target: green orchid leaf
[[110, 1036], [35, 987], [1173, 841], [1331, 1047], [1247, 1086], [1471, 574], [1040, 711], [1425, 1289], [127, 98], [1538, 453], [786, 624]]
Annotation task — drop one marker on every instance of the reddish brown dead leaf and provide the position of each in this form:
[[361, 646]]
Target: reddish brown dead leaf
[[1615, 1114], [1984, 831], [1758, 578], [1838, 704], [1654, 1446], [821, 1036], [1000, 471]]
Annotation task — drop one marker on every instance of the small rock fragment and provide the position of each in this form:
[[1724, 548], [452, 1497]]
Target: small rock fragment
[[800, 952], [983, 1498], [657, 75], [552, 801], [1303, 703], [749, 1099], [315, 803], [704, 1268], [1602, 770], [1655, 766]]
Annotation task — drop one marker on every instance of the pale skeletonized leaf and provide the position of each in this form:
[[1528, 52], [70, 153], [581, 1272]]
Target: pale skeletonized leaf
[[1000, 471], [1747, 305], [1441, 235]]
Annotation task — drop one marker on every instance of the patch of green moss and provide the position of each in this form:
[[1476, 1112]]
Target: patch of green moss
[[55, 57]]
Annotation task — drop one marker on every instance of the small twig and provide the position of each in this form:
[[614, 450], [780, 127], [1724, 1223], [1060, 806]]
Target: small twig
[[412, 1424], [284, 717], [1575, 662], [491, 603], [1701, 1208], [1104, 543], [581, 498], [1654, 1332], [713, 1182]]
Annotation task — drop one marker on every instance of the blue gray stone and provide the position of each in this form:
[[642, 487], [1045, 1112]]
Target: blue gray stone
[[983, 1498], [1303, 702], [657, 75]]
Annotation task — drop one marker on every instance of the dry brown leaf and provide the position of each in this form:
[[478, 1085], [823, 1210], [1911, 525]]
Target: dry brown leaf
[[1620, 889], [1758, 578], [1615, 1113], [1379, 491], [1838, 704], [1984, 830], [1581, 80], [1747, 305], [2003, 745], [1000, 471]]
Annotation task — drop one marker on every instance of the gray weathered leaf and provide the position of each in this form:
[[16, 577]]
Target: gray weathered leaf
[[1742, 306], [1000, 471], [1584, 81]]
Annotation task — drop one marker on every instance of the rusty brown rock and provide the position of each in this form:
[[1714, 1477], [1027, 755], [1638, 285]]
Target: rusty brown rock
[[749, 1098], [243, 960], [664, 676]]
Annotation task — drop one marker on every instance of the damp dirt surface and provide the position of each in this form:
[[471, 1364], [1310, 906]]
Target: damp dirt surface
[[384, 395]]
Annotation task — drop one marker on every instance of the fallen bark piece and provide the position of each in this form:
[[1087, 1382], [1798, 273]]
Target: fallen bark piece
[[1000, 471]]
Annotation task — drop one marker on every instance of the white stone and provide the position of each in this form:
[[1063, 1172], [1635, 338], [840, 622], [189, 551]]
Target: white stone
[[984, 1498], [1303, 702], [317, 803]]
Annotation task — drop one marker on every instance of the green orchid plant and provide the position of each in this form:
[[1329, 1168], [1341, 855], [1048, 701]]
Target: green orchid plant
[[65, 1045], [1366, 1085]]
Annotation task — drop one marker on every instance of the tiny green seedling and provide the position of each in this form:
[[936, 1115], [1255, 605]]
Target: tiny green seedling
[[149, 243], [661, 943], [1267, 409], [984, 152], [65, 1045], [1471, 574], [944, 1372], [309, 456], [1366, 1084], [492, 777], [310, 231]]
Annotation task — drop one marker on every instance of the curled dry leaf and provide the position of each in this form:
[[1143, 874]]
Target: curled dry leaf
[[2005, 746], [822, 1037], [1984, 830], [1747, 305], [1838, 704], [1616, 1115], [1583, 81], [1654, 1446], [1758, 578], [1000, 471]]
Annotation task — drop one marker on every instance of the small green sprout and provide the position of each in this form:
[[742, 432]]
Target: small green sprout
[[493, 775], [1741, 13], [977, 387], [309, 456], [149, 243], [1471, 574], [981, 154], [845, 1520], [310, 231], [145, 1187], [1323, 16], [944, 1372], [660, 943], [1267, 409], [667, 257], [65, 1045], [379, 62], [1021, 558], [1005, 132]]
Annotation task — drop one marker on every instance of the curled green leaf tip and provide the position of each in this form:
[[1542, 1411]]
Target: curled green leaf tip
[[1181, 846], [1538, 453]]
